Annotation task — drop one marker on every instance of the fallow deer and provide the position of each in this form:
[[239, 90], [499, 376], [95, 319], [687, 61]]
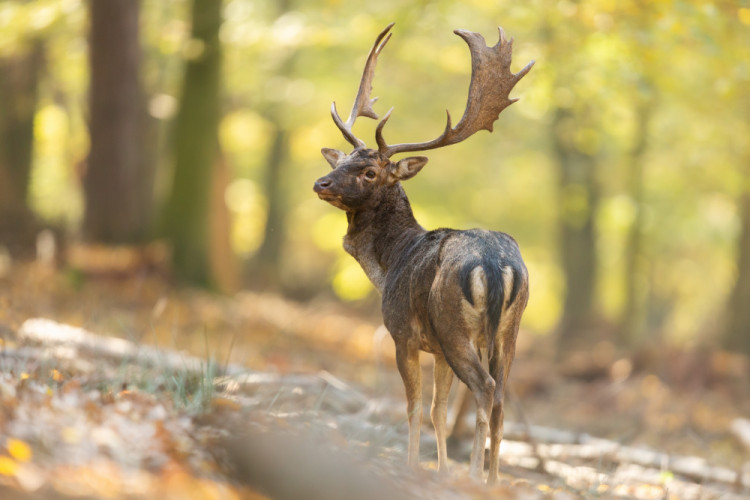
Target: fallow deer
[[447, 292]]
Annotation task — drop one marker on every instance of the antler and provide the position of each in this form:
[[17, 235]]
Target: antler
[[363, 103], [491, 83]]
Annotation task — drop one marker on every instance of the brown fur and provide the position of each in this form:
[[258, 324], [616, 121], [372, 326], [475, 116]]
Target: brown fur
[[426, 303], [445, 291]]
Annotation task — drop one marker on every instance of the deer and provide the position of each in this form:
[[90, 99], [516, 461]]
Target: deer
[[451, 293]]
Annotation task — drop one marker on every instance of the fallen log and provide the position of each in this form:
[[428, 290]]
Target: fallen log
[[740, 428], [563, 446], [50, 333]]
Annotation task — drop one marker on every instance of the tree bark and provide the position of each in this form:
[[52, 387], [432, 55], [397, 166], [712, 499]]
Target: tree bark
[[631, 320], [186, 219], [265, 269], [266, 266], [19, 77], [578, 199], [737, 334], [117, 182]]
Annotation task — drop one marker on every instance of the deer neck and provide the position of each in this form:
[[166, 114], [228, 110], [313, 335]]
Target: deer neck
[[376, 237]]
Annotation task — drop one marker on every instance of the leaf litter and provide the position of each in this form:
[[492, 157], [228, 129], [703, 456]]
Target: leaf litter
[[128, 388]]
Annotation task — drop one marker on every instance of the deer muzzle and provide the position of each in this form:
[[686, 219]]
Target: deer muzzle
[[321, 186]]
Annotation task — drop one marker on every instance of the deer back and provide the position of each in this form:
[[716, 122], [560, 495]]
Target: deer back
[[480, 270]]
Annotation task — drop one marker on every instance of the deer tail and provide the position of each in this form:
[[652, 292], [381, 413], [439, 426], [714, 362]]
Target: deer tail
[[490, 290]]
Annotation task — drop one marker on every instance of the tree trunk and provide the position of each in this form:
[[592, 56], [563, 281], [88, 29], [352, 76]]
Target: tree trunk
[[19, 78], [577, 199], [266, 266], [631, 321], [117, 183], [186, 220], [737, 334]]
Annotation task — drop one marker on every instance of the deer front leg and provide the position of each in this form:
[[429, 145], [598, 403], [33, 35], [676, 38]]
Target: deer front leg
[[443, 377], [407, 359]]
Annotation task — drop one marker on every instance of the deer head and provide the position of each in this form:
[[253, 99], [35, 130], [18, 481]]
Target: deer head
[[359, 177]]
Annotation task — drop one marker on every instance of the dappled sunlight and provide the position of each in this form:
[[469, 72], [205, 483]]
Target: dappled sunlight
[[178, 315], [329, 230], [244, 131], [349, 281], [543, 310], [247, 205], [270, 362], [54, 190]]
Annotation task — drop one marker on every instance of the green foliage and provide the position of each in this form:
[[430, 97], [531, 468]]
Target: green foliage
[[602, 61]]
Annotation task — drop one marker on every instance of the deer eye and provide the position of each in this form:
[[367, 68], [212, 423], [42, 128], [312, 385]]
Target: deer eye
[[370, 174]]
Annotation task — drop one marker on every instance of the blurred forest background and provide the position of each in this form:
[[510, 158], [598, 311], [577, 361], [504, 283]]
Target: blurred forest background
[[190, 131]]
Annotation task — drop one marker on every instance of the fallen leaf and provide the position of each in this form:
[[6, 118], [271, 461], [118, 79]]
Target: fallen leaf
[[219, 403], [8, 466], [19, 450], [56, 375]]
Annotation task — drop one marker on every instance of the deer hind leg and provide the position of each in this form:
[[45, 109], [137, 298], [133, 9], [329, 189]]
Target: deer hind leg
[[465, 362], [497, 371], [500, 362], [407, 359], [443, 377]]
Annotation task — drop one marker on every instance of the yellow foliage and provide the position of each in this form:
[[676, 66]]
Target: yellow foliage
[[453, 59], [544, 306], [243, 130], [19, 450], [350, 282], [53, 190], [306, 142], [242, 195], [8, 466], [328, 231], [50, 124], [618, 212], [248, 207]]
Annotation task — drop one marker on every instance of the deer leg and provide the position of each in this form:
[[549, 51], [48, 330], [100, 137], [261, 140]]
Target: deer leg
[[497, 372], [500, 362], [443, 377], [483, 391], [407, 359], [467, 366]]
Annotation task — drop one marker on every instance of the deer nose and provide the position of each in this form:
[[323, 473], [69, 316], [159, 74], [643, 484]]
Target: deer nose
[[322, 184]]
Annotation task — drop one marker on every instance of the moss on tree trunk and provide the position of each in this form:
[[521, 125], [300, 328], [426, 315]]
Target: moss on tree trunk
[[186, 218]]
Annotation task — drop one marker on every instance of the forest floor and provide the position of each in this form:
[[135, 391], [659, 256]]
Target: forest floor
[[130, 388]]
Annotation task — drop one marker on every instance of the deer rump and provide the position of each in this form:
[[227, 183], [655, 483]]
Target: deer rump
[[452, 286]]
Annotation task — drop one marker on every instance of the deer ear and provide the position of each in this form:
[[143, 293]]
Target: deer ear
[[406, 168], [333, 156]]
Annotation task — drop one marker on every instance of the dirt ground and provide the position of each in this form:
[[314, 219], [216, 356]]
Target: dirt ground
[[270, 398]]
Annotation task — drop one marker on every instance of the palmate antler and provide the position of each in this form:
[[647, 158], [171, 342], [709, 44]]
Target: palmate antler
[[363, 103], [491, 83]]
